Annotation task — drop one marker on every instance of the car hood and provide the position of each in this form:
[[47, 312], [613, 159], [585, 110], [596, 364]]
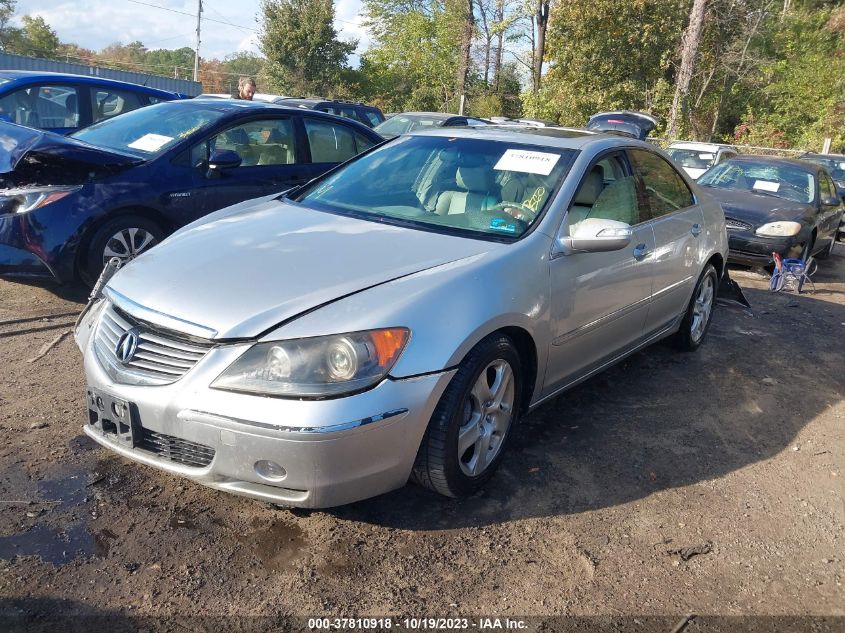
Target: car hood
[[239, 274], [756, 209], [37, 157]]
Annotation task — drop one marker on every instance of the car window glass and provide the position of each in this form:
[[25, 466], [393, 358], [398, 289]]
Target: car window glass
[[42, 107], [828, 189], [763, 177], [606, 192], [373, 117], [266, 142], [329, 142], [362, 142], [665, 190], [107, 103]]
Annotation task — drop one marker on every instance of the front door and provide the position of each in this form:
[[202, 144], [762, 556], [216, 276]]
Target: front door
[[599, 300], [271, 161]]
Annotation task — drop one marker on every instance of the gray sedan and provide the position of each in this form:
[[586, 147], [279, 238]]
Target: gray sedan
[[395, 318]]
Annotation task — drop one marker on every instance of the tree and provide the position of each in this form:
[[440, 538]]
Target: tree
[[7, 10], [689, 52], [541, 22], [300, 43], [35, 38]]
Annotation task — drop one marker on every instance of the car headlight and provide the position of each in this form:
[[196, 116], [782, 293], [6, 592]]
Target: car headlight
[[779, 229], [28, 199], [318, 367]]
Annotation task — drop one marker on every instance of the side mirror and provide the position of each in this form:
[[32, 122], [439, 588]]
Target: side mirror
[[830, 202], [222, 159], [595, 235]]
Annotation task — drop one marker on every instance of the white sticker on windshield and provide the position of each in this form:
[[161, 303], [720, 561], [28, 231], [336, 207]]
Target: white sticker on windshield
[[766, 185], [528, 162], [150, 142]]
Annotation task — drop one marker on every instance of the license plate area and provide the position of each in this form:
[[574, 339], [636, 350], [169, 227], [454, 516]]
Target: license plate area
[[113, 417]]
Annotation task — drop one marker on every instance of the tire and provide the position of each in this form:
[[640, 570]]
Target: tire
[[465, 414], [125, 237], [699, 312]]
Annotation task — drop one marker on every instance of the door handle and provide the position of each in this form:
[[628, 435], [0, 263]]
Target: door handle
[[641, 251], [695, 230]]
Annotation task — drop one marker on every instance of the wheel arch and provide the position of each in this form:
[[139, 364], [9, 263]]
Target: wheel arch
[[527, 350]]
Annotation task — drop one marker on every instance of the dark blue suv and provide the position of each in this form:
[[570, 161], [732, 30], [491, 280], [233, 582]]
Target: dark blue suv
[[64, 103], [69, 204]]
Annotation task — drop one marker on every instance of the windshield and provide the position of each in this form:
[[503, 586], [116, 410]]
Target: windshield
[[772, 179], [400, 124], [467, 186], [692, 158], [148, 131]]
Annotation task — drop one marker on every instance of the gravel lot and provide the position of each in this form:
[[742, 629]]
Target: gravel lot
[[737, 449]]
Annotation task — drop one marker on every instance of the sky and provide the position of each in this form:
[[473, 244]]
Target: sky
[[95, 24]]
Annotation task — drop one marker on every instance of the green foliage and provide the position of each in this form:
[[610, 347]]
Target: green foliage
[[802, 100], [300, 43], [604, 54], [34, 38]]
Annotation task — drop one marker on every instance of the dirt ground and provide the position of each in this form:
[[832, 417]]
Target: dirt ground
[[736, 451]]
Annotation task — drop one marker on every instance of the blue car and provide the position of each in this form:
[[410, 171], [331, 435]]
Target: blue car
[[68, 204], [64, 103]]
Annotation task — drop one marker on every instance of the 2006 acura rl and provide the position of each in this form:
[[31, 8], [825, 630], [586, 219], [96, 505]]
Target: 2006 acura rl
[[395, 317]]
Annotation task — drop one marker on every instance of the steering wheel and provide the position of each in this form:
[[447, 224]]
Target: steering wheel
[[516, 210]]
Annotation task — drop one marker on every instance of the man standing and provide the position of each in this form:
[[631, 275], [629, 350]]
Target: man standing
[[246, 88]]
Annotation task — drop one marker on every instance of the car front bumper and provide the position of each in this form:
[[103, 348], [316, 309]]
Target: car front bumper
[[333, 451], [752, 250]]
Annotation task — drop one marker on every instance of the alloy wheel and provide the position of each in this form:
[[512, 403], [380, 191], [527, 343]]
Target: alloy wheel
[[702, 308], [488, 413], [127, 244]]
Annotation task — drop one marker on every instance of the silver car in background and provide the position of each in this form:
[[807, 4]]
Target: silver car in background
[[394, 318]]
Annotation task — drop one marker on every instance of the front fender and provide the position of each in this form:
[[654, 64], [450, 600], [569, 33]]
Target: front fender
[[449, 308]]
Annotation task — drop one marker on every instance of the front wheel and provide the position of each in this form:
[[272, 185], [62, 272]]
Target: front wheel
[[471, 424], [699, 312], [124, 237]]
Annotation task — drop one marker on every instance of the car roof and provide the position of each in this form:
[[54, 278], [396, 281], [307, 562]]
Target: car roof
[[442, 116], [31, 76], [312, 101], [232, 107], [556, 137], [776, 160]]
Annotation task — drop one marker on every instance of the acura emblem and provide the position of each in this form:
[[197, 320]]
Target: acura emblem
[[126, 346]]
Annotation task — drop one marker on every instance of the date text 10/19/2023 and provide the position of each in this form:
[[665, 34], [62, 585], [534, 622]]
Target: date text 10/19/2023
[[416, 624]]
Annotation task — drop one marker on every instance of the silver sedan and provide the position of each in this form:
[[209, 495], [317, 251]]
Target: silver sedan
[[395, 318]]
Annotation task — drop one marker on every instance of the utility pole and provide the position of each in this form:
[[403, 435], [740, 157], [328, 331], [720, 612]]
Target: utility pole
[[197, 51]]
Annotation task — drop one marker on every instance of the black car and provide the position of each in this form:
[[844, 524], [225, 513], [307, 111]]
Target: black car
[[369, 115], [775, 205], [835, 165], [69, 204], [408, 121]]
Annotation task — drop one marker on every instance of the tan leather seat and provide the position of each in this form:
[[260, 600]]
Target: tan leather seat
[[474, 193], [586, 197], [618, 201]]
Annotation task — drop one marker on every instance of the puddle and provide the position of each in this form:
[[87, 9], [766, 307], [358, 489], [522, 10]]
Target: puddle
[[276, 546], [60, 533]]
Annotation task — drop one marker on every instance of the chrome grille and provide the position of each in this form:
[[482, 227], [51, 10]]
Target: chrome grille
[[737, 225], [175, 449], [160, 358]]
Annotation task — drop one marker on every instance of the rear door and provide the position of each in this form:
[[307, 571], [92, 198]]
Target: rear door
[[667, 205], [600, 300], [330, 143]]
